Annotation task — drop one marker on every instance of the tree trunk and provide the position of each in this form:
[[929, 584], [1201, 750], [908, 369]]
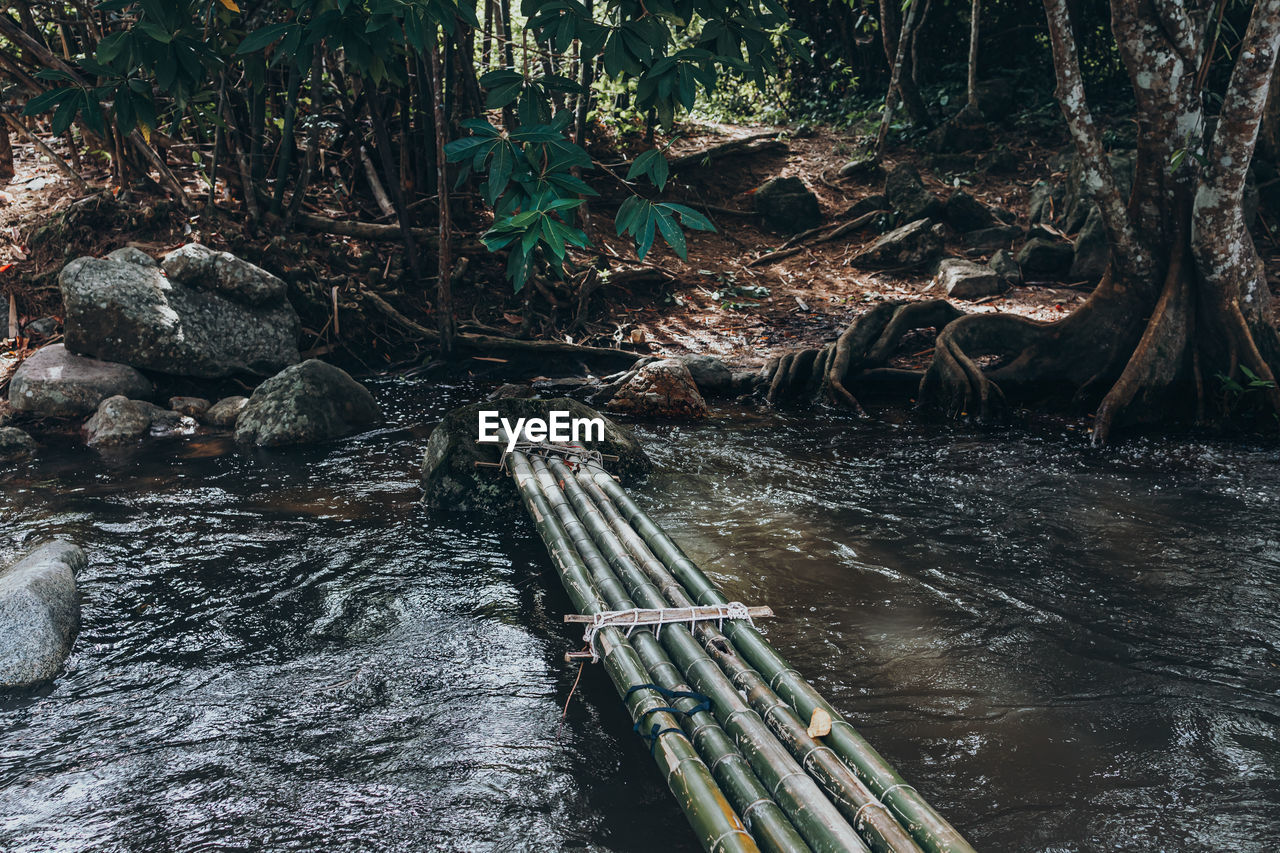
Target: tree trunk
[[975, 13], [444, 270]]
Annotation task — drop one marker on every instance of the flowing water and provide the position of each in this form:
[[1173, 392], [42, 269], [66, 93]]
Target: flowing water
[[1064, 649]]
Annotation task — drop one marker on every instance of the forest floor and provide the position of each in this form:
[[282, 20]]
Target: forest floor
[[715, 302]]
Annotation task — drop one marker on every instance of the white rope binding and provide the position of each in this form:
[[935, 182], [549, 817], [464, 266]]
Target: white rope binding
[[657, 617]]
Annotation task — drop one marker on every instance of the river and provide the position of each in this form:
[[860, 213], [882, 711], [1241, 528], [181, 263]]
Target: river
[[1063, 648]]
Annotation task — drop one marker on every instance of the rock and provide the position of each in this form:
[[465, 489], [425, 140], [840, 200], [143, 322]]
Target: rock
[[996, 98], [663, 389], [909, 245], [962, 279], [865, 205], [122, 309], [192, 407], [225, 412], [56, 383], [39, 613], [120, 420], [746, 381], [308, 402], [710, 374], [133, 255], [1040, 255], [990, 239], [512, 390], [15, 445], [1092, 250], [966, 213], [452, 481], [1006, 267], [908, 196], [6, 413], [787, 205], [966, 131], [1046, 198], [42, 328], [201, 267]]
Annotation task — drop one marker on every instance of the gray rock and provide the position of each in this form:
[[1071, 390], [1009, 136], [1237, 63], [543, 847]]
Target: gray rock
[[746, 381], [42, 328], [15, 445], [990, 239], [1046, 198], [308, 402], [452, 481], [710, 374], [661, 389], [120, 420], [39, 613], [962, 279], [865, 205], [225, 412], [192, 407], [512, 390], [56, 383], [908, 196], [966, 213], [860, 166], [787, 205], [1040, 255], [133, 255], [1006, 267], [910, 245], [201, 267], [1092, 250], [126, 311]]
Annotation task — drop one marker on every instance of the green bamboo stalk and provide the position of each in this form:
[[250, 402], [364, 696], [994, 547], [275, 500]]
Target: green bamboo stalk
[[870, 818], [818, 821], [710, 815], [929, 829]]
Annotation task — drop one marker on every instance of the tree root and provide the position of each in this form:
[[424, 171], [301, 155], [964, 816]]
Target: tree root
[[867, 344]]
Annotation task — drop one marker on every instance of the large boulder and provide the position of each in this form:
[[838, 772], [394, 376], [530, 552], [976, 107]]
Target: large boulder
[[787, 205], [990, 239], [910, 245], [662, 389], [962, 279], [39, 613], [225, 412], [15, 445], [56, 383], [216, 319], [966, 213], [1045, 256], [451, 480], [908, 196], [1006, 267], [306, 403]]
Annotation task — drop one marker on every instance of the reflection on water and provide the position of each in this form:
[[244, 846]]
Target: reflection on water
[[1065, 649]]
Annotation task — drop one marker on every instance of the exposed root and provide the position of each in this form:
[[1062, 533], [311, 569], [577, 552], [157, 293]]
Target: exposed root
[[866, 344]]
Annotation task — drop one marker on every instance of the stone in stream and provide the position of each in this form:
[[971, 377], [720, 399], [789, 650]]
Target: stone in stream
[[712, 376], [225, 412], [192, 407], [909, 245], [451, 480], [306, 403], [221, 320], [663, 389], [15, 445], [57, 383], [908, 196], [787, 205], [39, 613], [121, 421], [962, 279]]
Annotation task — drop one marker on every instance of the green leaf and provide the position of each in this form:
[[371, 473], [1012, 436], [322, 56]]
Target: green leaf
[[262, 38], [690, 218], [671, 232]]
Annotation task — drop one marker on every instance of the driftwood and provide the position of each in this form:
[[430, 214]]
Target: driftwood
[[733, 146], [797, 244], [361, 230], [489, 344]]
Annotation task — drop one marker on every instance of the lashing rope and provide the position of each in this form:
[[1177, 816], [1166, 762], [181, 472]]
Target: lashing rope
[[657, 617]]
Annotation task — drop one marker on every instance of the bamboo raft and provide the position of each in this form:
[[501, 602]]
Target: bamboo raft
[[756, 758]]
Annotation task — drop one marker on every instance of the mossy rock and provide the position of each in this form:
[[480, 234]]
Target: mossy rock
[[451, 480]]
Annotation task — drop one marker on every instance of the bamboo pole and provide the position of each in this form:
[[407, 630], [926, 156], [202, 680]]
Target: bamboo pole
[[929, 829], [709, 814], [814, 816], [869, 817]]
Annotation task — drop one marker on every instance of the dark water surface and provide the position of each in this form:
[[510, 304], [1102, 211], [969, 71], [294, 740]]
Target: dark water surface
[[1064, 649]]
